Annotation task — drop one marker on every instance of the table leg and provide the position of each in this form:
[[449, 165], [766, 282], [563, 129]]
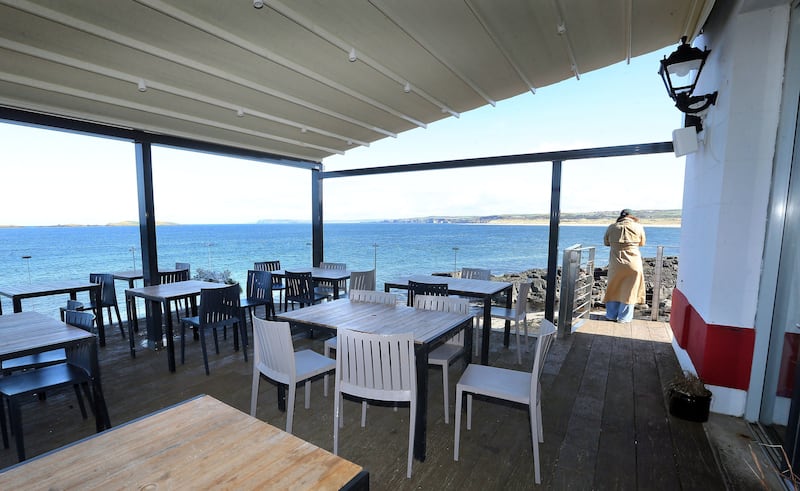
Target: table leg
[[170, 341], [469, 332], [133, 322], [421, 429], [17, 302], [507, 328], [487, 329], [98, 312]]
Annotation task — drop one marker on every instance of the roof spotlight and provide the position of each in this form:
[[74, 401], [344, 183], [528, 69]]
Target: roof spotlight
[[258, 4]]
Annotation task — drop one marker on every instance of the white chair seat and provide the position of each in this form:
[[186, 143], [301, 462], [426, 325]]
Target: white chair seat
[[501, 383], [309, 364], [518, 313], [509, 385], [275, 358]]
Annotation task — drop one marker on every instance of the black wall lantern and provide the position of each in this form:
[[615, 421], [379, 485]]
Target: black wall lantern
[[680, 71]]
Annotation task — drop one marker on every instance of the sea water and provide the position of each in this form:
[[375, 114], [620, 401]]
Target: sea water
[[41, 254]]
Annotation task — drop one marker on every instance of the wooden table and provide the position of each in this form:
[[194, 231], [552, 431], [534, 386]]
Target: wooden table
[[198, 444], [27, 333], [162, 296], [482, 289], [335, 276], [430, 328], [17, 292]]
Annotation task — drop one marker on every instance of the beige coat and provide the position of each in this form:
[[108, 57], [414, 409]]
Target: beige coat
[[625, 277]]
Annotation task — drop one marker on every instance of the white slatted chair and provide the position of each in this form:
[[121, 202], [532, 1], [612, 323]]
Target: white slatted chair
[[369, 296], [378, 367], [274, 356], [508, 385], [444, 355], [517, 313], [362, 280], [476, 274], [476, 306], [327, 288]]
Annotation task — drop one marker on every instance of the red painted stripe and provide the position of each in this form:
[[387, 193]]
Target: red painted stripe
[[722, 355]]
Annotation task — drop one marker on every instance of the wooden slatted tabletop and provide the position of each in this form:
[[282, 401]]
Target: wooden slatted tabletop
[[426, 325], [199, 444]]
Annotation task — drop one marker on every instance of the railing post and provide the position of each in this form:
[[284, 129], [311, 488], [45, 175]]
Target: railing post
[[567, 297], [654, 307]]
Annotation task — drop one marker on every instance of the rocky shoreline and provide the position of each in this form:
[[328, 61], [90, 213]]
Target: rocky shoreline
[[669, 276]]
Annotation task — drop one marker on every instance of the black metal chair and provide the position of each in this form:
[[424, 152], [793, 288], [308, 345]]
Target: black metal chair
[[219, 308], [277, 283], [181, 273], [259, 292], [73, 370], [418, 288], [300, 289], [108, 299]]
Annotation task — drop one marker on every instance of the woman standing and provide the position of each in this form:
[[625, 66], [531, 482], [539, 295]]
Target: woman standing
[[625, 278]]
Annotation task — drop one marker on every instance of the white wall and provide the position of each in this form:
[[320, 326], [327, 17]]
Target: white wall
[[727, 181]]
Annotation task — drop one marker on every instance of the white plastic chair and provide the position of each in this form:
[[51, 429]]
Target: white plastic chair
[[274, 356], [444, 355], [379, 367], [508, 385], [517, 313], [476, 306], [369, 296], [327, 288], [362, 280], [476, 274]]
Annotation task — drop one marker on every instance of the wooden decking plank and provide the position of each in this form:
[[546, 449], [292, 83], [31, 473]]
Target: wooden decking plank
[[579, 448], [656, 468], [697, 467], [616, 463]]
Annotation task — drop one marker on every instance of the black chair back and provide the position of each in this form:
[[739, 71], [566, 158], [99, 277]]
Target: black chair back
[[417, 288]]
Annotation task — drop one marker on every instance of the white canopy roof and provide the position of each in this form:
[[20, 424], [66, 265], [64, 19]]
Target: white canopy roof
[[281, 80]]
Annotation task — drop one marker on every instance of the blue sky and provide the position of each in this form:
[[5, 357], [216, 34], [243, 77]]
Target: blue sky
[[52, 177]]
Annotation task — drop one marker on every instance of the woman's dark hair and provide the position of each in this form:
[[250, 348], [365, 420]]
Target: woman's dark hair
[[626, 213]]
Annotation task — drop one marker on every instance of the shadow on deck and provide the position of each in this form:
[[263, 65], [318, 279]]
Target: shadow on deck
[[605, 416]]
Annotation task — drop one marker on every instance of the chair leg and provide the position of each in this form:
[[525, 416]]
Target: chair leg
[[254, 391], [80, 400], [411, 426], [446, 385], [203, 348], [519, 348], [290, 407], [15, 418], [183, 343], [3, 422], [469, 411], [364, 413], [535, 443], [337, 415], [243, 333], [459, 397], [119, 320]]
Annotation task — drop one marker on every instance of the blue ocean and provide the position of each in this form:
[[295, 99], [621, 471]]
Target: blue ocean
[[39, 254]]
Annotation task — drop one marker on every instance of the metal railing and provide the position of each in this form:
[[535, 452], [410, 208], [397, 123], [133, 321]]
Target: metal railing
[[577, 281]]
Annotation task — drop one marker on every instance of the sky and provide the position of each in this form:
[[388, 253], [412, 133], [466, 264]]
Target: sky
[[55, 178]]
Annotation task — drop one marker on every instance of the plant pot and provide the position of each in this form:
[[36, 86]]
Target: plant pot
[[690, 407]]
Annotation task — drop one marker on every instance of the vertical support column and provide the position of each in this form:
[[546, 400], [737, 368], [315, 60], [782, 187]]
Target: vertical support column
[[147, 236], [552, 252], [316, 217]]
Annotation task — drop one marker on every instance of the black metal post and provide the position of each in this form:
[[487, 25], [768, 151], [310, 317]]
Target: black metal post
[[552, 254], [147, 236], [316, 217]]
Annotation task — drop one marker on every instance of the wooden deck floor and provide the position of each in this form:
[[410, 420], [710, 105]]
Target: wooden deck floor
[[605, 419]]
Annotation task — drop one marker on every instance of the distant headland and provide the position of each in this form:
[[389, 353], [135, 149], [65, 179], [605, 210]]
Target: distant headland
[[662, 218]]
